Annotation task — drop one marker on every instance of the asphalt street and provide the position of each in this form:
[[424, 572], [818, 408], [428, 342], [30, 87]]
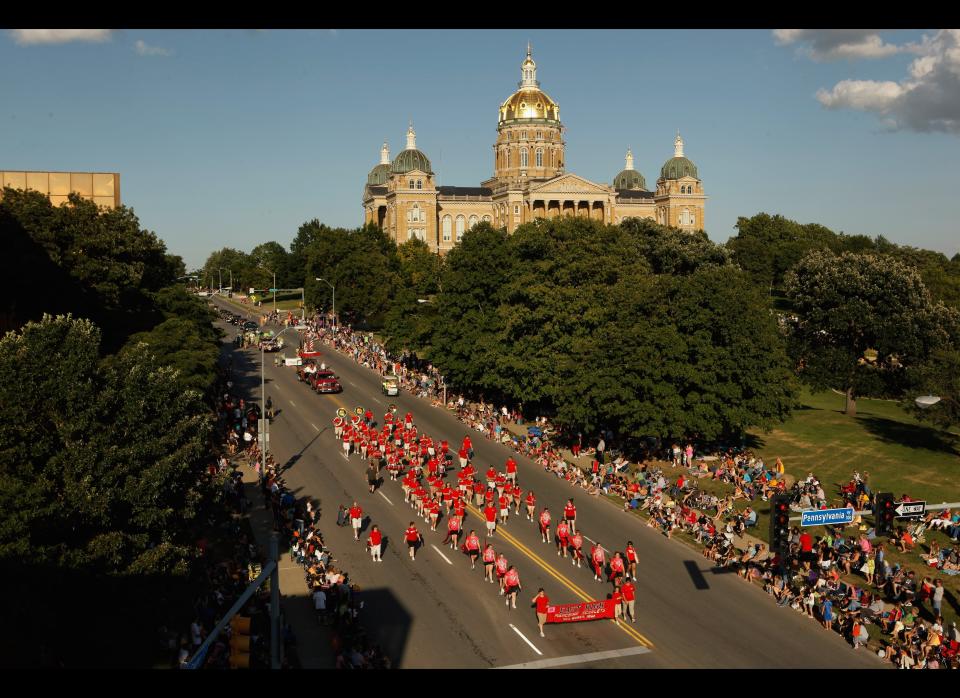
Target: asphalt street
[[437, 612]]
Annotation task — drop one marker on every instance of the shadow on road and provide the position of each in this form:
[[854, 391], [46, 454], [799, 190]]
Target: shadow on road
[[693, 569]]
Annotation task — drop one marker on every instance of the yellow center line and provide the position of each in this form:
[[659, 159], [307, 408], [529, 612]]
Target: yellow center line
[[541, 562]]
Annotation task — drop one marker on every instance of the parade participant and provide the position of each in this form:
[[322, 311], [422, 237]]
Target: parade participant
[[490, 513], [408, 420], [542, 601], [453, 531], [501, 483], [373, 542], [570, 515], [631, 560], [512, 470], [413, 538], [617, 605], [468, 445], [373, 475], [511, 581], [531, 501], [347, 441], [447, 493], [599, 561], [629, 595], [471, 547], [338, 427], [489, 557], [501, 565], [433, 511], [490, 498], [491, 478], [364, 448], [517, 499], [504, 508], [576, 545], [563, 540], [478, 492], [545, 524], [616, 570], [463, 454], [356, 520]]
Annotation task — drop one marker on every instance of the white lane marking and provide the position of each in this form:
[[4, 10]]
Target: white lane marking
[[314, 426], [277, 387], [525, 640], [344, 456], [578, 658], [293, 403], [376, 401], [441, 554], [352, 383], [385, 497]]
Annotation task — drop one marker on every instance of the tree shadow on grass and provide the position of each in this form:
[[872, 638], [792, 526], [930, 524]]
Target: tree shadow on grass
[[911, 435]]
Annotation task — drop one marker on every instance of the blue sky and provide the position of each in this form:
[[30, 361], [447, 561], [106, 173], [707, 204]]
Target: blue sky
[[232, 138]]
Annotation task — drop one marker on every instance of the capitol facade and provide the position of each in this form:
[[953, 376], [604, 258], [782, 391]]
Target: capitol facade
[[529, 182]]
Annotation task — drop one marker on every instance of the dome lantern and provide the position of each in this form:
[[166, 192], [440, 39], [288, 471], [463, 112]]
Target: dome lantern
[[629, 164], [678, 166], [411, 138], [410, 158], [678, 146], [528, 72], [385, 154], [629, 178]]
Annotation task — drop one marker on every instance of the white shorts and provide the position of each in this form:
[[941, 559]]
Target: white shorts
[[504, 512], [375, 551], [491, 525], [356, 523], [346, 446]]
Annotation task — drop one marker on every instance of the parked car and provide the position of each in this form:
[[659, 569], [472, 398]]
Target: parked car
[[251, 326]]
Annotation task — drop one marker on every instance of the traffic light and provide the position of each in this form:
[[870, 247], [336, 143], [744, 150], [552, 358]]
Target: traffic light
[[884, 514], [780, 524], [240, 643]]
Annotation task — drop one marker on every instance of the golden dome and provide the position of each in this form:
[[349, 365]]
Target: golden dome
[[529, 104]]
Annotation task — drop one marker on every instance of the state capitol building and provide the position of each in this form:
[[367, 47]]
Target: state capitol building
[[529, 182]]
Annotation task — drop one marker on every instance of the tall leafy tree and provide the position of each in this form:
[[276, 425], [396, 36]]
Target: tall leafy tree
[[861, 321]]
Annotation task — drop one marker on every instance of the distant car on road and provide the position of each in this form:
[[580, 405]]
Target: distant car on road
[[251, 326], [390, 385], [324, 381]]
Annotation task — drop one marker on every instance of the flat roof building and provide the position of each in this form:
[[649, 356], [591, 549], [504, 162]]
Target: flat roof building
[[103, 188]]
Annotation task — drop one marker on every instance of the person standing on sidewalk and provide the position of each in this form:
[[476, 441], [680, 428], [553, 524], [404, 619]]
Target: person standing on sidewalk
[[374, 540], [542, 601], [356, 520]]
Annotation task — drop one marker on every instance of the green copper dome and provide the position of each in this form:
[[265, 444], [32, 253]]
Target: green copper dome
[[629, 179], [411, 159], [378, 175], [675, 168]]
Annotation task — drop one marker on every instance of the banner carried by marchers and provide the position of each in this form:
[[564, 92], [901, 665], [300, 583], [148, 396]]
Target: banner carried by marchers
[[576, 612]]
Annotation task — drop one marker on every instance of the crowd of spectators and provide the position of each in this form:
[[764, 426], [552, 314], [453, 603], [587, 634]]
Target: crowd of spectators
[[808, 579]]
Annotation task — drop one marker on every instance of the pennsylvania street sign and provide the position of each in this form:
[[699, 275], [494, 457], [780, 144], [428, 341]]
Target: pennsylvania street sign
[[826, 517], [908, 510]]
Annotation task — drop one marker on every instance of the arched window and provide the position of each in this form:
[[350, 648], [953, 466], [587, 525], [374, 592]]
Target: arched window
[[472, 222], [413, 215], [539, 135], [447, 228], [461, 221], [523, 157], [539, 157]]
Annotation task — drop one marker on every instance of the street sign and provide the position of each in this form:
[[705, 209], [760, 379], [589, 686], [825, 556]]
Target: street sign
[[910, 510], [826, 517]]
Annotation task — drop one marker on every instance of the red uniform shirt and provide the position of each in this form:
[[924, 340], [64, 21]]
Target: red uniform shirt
[[512, 578], [517, 493], [631, 554], [467, 443], [562, 530], [490, 513], [511, 465], [504, 502], [453, 523], [478, 487], [570, 511], [577, 541], [542, 603], [489, 555], [489, 496], [597, 553], [616, 564], [617, 596], [531, 500], [463, 453], [473, 542], [544, 518], [502, 565], [491, 473], [412, 534], [375, 537], [356, 512], [629, 593]]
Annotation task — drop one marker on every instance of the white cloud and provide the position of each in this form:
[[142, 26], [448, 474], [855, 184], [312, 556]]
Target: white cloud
[[26, 37], [145, 49], [834, 44], [927, 100]]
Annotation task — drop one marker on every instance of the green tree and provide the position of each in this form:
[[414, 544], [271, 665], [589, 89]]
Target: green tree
[[409, 321], [939, 376], [98, 465], [862, 320]]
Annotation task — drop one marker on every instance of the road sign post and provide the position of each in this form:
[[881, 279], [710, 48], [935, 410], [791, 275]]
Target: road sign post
[[910, 510], [826, 517]]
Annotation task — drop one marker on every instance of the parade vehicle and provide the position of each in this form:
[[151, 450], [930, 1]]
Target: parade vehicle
[[324, 381], [390, 385], [271, 345]]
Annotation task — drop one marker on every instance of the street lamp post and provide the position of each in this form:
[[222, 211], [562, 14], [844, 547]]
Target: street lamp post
[[334, 301]]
